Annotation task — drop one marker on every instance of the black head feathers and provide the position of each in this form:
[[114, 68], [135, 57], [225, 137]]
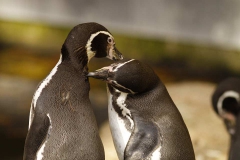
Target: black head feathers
[[89, 40], [130, 76]]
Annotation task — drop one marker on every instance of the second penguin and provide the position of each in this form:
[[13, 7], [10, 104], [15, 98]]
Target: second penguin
[[144, 121]]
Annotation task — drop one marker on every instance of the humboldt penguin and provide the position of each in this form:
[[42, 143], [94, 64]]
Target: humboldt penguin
[[62, 125], [144, 121], [226, 103]]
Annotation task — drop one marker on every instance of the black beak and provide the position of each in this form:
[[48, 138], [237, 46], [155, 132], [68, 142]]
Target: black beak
[[117, 55], [99, 74]]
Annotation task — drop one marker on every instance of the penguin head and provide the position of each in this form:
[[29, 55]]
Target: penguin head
[[226, 103], [129, 76], [89, 40]]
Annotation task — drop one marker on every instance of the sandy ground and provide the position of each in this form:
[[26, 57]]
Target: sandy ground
[[208, 134]]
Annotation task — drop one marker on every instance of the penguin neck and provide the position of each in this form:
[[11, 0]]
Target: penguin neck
[[235, 141], [76, 57]]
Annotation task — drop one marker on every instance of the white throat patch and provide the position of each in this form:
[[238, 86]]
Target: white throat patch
[[88, 47], [125, 111], [119, 131], [121, 103]]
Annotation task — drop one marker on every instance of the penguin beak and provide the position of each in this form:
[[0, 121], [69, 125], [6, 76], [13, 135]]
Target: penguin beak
[[118, 55], [100, 74], [114, 54]]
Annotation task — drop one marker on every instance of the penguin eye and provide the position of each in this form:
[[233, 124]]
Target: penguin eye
[[110, 40]]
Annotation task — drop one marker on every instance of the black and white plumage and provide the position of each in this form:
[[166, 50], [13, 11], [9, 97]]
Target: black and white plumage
[[62, 124], [226, 103], [144, 121]]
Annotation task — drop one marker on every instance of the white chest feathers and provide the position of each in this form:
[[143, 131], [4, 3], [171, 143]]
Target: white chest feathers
[[120, 130], [118, 127]]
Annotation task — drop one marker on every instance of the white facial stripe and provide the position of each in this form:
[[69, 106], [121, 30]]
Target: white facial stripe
[[231, 94], [121, 64], [111, 40], [41, 150], [45, 82], [111, 52], [120, 86], [109, 68], [88, 47]]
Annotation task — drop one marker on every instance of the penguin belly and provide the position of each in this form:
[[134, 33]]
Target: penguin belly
[[119, 131]]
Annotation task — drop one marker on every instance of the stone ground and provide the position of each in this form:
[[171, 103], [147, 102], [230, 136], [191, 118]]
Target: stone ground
[[209, 137], [192, 98]]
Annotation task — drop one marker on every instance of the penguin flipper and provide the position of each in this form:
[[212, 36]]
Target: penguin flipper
[[143, 141], [36, 135]]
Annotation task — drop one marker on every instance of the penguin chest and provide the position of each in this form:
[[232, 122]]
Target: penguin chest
[[121, 123], [122, 127]]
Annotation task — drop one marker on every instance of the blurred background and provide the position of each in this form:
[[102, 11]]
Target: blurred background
[[192, 45]]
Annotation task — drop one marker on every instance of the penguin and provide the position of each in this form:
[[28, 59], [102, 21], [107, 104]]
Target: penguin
[[144, 121], [62, 125], [226, 103]]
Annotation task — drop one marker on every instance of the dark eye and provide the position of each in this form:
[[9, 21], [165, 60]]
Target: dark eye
[[110, 40]]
